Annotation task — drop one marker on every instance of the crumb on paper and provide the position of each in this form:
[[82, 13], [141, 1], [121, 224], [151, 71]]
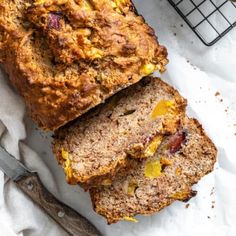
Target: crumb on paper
[[187, 206], [208, 217], [212, 191], [213, 204], [221, 100], [217, 93]]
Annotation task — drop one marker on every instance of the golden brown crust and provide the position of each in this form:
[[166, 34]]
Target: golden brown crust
[[67, 56]]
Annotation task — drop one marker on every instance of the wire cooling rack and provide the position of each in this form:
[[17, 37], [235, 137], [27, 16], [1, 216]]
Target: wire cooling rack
[[210, 20]]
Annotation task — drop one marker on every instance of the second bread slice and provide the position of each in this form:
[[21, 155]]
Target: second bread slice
[[131, 123], [149, 185]]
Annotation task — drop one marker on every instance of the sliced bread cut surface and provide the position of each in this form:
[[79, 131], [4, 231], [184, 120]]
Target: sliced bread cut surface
[[130, 124], [149, 185], [67, 56]]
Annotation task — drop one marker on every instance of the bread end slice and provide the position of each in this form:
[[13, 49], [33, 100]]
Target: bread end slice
[[150, 185]]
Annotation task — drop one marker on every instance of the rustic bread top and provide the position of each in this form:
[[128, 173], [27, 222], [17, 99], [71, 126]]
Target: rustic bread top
[[131, 123], [66, 56], [151, 184]]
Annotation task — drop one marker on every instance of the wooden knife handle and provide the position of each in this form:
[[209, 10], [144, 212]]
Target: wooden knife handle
[[71, 221]]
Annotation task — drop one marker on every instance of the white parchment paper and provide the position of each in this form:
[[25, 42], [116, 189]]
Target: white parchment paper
[[199, 73]]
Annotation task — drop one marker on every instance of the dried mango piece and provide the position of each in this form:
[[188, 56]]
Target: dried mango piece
[[67, 167], [64, 154], [131, 219], [184, 195], [180, 195], [113, 4], [86, 5], [116, 6], [153, 146], [106, 182], [84, 31], [162, 108], [132, 187], [147, 69], [153, 169], [94, 53]]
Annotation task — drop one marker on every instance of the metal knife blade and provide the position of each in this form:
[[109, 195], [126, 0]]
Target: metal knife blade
[[11, 166], [29, 182]]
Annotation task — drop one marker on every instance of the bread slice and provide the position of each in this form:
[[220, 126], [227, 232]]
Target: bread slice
[[149, 185], [67, 56], [132, 123]]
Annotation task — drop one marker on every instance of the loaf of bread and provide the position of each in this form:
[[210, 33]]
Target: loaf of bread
[[138, 152], [67, 56], [130, 124], [149, 185]]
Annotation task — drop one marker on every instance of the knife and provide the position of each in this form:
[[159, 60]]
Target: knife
[[29, 182]]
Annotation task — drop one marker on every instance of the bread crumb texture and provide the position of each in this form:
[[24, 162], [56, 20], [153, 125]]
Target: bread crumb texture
[[100, 143], [156, 182]]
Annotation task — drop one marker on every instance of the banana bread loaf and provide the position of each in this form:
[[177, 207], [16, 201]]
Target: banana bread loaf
[[149, 185], [67, 56], [131, 123]]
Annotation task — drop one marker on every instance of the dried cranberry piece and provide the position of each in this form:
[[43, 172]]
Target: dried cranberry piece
[[54, 21], [176, 141]]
